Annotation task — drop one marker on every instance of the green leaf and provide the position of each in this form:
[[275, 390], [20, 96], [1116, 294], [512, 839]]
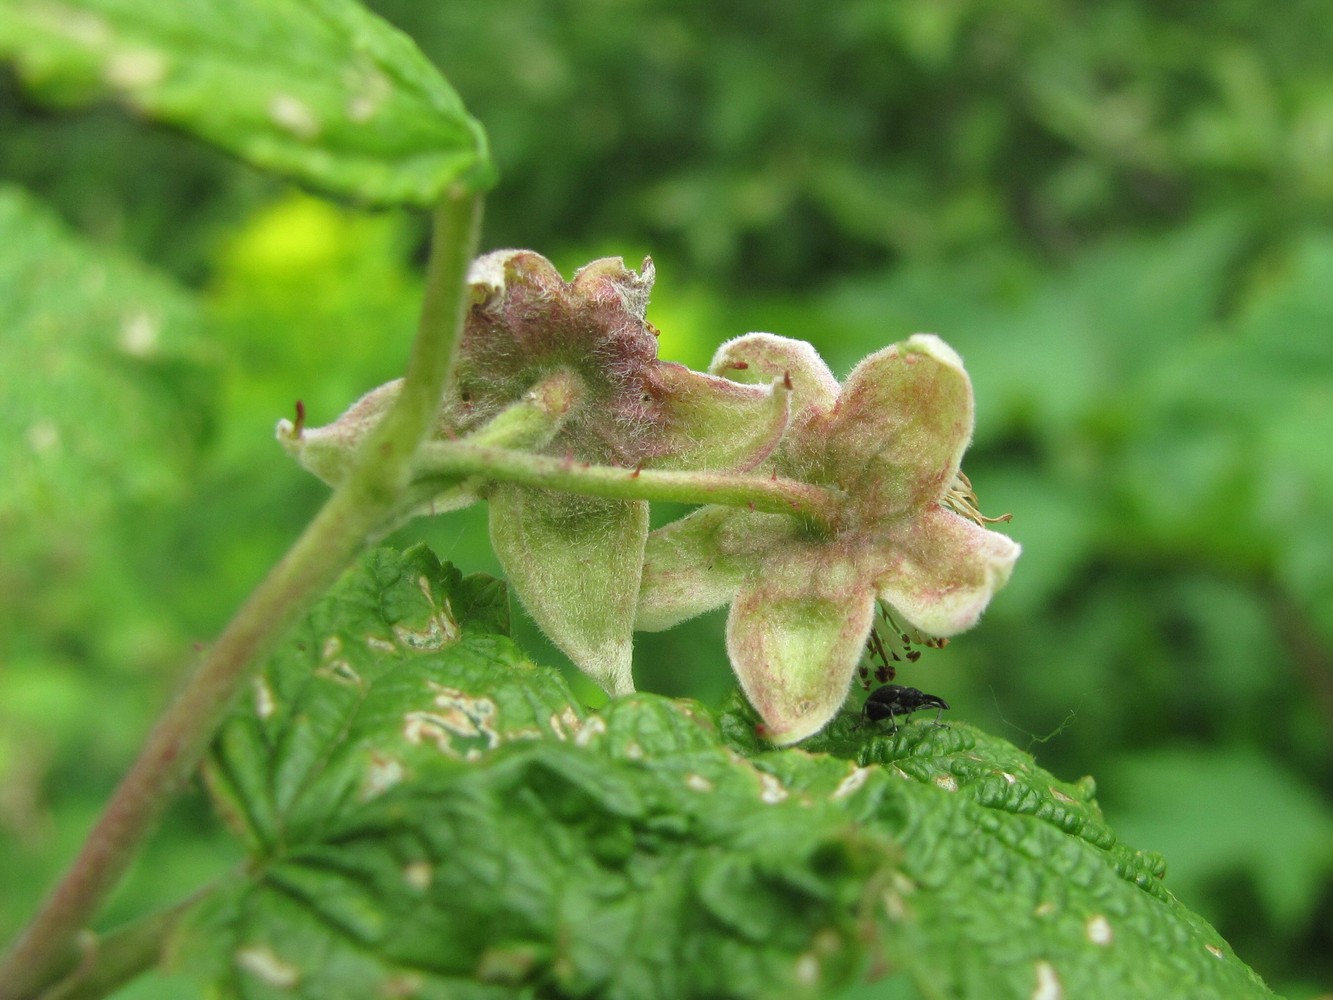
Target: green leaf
[[109, 391], [443, 822], [1012, 884], [319, 90], [359, 698]]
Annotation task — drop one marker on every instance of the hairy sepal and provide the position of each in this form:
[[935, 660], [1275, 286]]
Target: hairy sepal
[[575, 562]]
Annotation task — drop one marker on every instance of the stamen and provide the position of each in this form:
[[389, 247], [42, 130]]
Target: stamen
[[890, 643], [962, 500]]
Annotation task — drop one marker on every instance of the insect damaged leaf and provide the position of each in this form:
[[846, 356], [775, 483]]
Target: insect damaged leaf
[[654, 849], [322, 91]]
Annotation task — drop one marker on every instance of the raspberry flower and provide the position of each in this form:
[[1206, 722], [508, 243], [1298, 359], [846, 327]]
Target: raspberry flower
[[567, 371], [804, 594]]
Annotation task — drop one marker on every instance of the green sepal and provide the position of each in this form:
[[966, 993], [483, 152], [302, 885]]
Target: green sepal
[[576, 563]]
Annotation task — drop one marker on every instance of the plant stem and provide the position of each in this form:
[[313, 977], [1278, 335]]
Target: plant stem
[[117, 957], [759, 492], [182, 733]]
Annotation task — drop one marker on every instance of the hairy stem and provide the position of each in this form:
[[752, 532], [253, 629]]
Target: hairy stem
[[177, 742], [110, 961], [759, 492]]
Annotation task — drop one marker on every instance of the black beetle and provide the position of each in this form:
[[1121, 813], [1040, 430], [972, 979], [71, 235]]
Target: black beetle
[[895, 699]]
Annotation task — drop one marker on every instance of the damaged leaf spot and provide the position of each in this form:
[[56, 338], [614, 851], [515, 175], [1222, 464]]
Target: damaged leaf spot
[[771, 790], [807, 969], [419, 875], [852, 783], [1099, 930], [439, 630], [293, 115], [380, 645], [698, 782], [590, 730], [261, 962], [334, 667], [384, 772], [565, 723], [264, 703], [1048, 983], [461, 719]]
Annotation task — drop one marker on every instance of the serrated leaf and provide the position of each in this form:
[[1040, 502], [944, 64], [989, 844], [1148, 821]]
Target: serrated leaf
[[319, 90], [1012, 884], [395, 671], [654, 849], [109, 391]]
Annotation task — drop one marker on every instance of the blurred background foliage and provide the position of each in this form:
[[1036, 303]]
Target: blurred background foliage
[[1121, 214]]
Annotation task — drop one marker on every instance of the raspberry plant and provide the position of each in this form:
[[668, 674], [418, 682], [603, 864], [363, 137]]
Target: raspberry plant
[[427, 813]]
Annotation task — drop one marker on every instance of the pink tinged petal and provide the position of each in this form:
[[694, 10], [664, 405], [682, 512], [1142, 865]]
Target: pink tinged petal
[[685, 573], [943, 569], [576, 563], [761, 358], [902, 424], [794, 653], [713, 424]]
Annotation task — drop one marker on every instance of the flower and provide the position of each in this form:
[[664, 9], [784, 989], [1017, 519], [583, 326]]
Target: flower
[[568, 369], [804, 595]]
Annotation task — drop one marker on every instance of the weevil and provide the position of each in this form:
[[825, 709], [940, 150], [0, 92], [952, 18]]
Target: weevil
[[895, 699]]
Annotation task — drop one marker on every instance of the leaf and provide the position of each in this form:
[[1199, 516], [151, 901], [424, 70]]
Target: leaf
[[319, 90], [652, 850], [444, 822], [109, 393], [1011, 880], [356, 700]]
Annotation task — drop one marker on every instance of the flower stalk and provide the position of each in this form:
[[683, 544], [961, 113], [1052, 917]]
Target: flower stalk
[[820, 505]]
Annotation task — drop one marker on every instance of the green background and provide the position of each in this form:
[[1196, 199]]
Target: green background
[[1121, 214]]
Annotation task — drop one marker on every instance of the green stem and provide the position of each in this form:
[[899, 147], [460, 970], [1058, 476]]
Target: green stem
[[112, 960], [178, 740], [758, 492]]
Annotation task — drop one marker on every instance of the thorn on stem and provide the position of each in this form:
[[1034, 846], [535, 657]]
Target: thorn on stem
[[739, 366], [300, 418], [637, 469], [786, 380]]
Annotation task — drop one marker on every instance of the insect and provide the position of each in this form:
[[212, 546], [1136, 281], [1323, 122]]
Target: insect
[[895, 699]]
